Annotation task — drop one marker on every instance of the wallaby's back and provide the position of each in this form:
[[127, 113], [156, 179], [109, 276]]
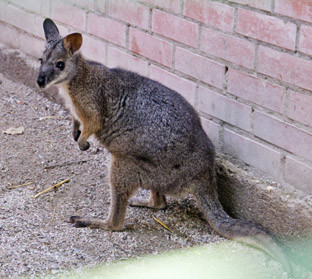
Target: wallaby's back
[[152, 119]]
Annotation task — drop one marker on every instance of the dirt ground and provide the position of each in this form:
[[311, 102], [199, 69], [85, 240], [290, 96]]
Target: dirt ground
[[35, 236]]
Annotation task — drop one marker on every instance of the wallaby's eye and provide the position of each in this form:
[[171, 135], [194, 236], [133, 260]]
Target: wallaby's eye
[[60, 65], [41, 60]]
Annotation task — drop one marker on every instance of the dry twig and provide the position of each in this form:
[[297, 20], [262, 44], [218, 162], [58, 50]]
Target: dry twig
[[52, 218], [50, 117], [51, 188], [161, 223], [21, 185], [66, 164]]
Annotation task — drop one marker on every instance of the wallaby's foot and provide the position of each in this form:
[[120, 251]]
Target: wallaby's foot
[[80, 222], [83, 146], [76, 134], [157, 201]]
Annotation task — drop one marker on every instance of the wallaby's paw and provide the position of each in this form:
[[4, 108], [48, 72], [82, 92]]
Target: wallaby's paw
[[85, 146], [76, 134]]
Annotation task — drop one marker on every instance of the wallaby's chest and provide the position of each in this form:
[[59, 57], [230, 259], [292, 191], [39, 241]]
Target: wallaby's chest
[[64, 92]]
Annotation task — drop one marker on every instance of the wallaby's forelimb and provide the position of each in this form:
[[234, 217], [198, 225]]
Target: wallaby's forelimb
[[86, 132], [75, 129]]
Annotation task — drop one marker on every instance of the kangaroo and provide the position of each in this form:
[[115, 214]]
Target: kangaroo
[[154, 135]]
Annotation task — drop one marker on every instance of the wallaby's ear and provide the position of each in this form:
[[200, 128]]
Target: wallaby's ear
[[50, 30], [72, 42]]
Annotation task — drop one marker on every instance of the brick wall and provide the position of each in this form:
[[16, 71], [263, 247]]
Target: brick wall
[[244, 64]]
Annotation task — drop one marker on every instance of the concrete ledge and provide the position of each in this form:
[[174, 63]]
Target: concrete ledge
[[248, 194]]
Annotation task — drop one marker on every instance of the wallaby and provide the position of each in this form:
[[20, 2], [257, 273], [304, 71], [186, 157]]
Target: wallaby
[[154, 135]]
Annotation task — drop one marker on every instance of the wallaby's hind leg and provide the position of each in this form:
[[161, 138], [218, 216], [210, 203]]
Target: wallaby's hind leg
[[156, 200], [115, 221], [124, 182]]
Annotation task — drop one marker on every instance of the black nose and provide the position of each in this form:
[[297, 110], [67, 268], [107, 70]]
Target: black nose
[[41, 81]]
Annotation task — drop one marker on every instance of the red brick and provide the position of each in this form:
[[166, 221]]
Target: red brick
[[130, 11], [266, 28], [69, 15], [100, 6], [27, 43], [259, 4], [283, 135], [87, 4], [212, 130], [229, 48], [199, 67], [107, 29], [151, 47], [223, 108], [300, 108], [24, 20], [3, 6], [255, 90], [175, 28], [305, 40], [30, 5], [285, 67], [172, 5], [118, 58], [300, 9], [94, 49], [212, 13], [298, 174], [45, 9], [63, 29], [251, 152], [184, 87]]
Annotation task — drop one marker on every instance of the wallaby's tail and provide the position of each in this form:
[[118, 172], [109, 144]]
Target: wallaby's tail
[[239, 230]]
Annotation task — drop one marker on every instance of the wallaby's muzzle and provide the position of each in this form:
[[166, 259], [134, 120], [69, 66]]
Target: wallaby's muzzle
[[41, 81], [45, 76]]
